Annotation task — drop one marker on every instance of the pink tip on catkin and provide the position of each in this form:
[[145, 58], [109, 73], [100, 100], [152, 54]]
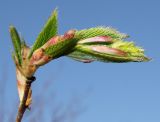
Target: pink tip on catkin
[[53, 40], [38, 54], [39, 58], [69, 34], [105, 49], [96, 39], [45, 59]]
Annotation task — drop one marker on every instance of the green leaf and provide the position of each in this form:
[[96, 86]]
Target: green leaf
[[97, 48], [63, 47], [23, 43], [100, 31], [87, 52], [50, 29], [13, 57], [16, 43], [80, 56], [128, 47]]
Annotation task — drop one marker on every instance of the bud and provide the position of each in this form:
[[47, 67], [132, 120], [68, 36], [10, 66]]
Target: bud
[[54, 48], [117, 51], [69, 34], [56, 39], [61, 46], [39, 58], [51, 42]]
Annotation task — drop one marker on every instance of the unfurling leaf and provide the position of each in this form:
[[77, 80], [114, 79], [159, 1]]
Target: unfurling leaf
[[50, 29], [105, 54], [62, 46], [99, 31], [106, 47], [97, 39], [94, 44], [16, 43], [56, 47]]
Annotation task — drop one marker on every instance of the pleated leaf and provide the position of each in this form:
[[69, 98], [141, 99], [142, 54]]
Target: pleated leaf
[[108, 53], [80, 56], [97, 40], [50, 29], [16, 44], [62, 47], [99, 31], [128, 47]]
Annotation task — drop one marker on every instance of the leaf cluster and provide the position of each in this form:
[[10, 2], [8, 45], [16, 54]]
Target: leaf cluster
[[81, 51]]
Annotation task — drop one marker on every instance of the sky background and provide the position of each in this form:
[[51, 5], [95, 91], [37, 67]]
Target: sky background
[[128, 92]]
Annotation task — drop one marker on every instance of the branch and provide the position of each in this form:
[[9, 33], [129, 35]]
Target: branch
[[22, 107], [94, 44]]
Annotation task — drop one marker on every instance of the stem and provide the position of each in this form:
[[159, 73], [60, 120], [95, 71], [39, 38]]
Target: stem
[[22, 107]]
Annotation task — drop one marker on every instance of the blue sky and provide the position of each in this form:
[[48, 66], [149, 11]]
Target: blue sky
[[128, 92]]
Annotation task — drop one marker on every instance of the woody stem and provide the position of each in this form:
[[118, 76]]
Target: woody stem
[[22, 106]]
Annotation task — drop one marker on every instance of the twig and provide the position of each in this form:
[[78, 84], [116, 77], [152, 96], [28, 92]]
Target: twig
[[22, 107]]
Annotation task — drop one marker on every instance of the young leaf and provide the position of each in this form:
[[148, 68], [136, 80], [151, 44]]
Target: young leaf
[[97, 40], [99, 31], [109, 53], [50, 29], [107, 45], [62, 47], [80, 56], [16, 43], [56, 47]]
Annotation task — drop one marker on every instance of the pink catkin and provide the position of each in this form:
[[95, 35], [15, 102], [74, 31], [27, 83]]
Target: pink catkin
[[104, 49], [38, 54], [53, 40], [69, 34], [97, 39], [45, 59]]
